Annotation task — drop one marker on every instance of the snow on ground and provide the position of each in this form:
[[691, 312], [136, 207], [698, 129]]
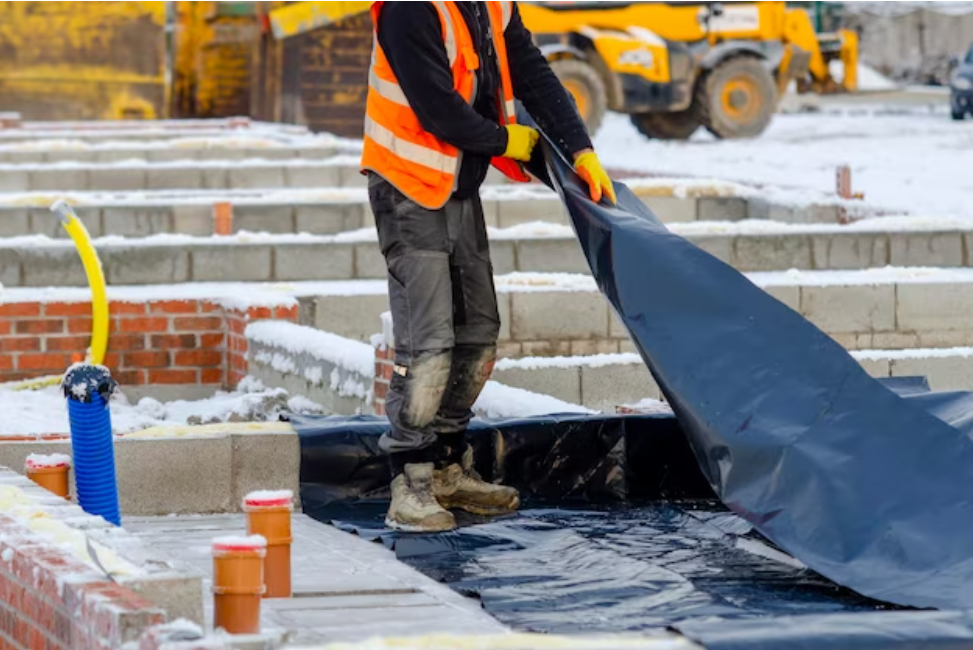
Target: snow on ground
[[918, 162], [45, 410]]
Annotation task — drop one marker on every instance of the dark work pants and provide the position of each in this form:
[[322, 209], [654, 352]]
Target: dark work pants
[[444, 320]]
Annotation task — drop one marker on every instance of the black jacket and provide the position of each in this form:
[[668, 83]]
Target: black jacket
[[410, 34]]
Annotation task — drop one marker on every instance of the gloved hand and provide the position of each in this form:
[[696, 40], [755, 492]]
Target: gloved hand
[[520, 142], [591, 172]]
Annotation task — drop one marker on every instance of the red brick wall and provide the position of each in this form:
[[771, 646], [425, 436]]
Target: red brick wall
[[46, 605], [384, 363], [159, 342]]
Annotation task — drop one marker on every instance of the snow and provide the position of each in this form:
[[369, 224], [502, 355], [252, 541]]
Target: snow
[[269, 495], [869, 79], [344, 353], [875, 276], [240, 541], [37, 461], [592, 361], [150, 165], [44, 410], [500, 401], [917, 162], [649, 405], [915, 353], [7, 555]]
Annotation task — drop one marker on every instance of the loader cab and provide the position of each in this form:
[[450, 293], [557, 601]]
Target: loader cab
[[961, 86]]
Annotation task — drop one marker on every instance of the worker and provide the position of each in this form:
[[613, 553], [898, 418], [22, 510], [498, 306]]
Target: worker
[[443, 80]]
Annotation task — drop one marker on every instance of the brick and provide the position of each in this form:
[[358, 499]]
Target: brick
[[20, 309], [198, 358], [199, 324], [5, 326], [46, 326], [77, 325], [211, 376], [126, 308], [66, 343], [173, 341], [147, 324], [147, 359], [208, 307], [67, 309], [125, 342], [175, 307], [20, 344], [181, 376], [259, 312], [210, 341], [286, 313], [129, 377]]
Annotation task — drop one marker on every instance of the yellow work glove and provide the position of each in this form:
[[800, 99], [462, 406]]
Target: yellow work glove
[[520, 142], [591, 172]]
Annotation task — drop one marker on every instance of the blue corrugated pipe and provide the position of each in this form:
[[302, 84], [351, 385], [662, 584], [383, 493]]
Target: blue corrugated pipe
[[88, 389]]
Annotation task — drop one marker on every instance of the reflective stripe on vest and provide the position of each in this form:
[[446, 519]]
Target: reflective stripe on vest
[[410, 151], [449, 40]]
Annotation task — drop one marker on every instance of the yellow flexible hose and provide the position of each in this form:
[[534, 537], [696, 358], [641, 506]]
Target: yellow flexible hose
[[99, 295]]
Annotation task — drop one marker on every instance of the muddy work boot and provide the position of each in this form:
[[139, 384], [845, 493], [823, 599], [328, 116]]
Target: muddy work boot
[[414, 509], [459, 486]]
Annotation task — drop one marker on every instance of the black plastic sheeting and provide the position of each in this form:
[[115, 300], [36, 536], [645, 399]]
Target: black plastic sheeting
[[872, 489]]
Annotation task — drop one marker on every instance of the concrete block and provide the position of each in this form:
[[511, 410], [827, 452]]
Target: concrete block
[[43, 222], [136, 222], [893, 341], [546, 348], [491, 214], [671, 209], [51, 267], [503, 308], [955, 338], [355, 317], [844, 309], [591, 347], [42, 180], [14, 181], [314, 152], [849, 250], [316, 176], [220, 153], [760, 208], [263, 218], [161, 476], [603, 388], [170, 154], [14, 223], [943, 373], [503, 257], [876, 367], [14, 454], [550, 256], [174, 178], [562, 383], [558, 315], [329, 218], [616, 329], [236, 263], [817, 213], [518, 211], [771, 252], [351, 177], [926, 249], [719, 246], [265, 462], [116, 178], [721, 208], [313, 262], [117, 155], [935, 306], [215, 178], [262, 176], [24, 157], [789, 295], [145, 265], [192, 219], [269, 153], [10, 268], [369, 262], [627, 346], [509, 350]]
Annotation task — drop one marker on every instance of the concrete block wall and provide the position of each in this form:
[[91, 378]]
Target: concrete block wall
[[156, 153], [53, 598], [152, 342]]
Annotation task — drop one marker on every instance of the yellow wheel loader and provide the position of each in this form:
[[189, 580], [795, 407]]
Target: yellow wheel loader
[[676, 66]]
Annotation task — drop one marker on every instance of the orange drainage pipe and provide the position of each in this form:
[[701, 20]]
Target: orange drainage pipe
[[269, 515], [238, 583], [50, 472], [223, 218]]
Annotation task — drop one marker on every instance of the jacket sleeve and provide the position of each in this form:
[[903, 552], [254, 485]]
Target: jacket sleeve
[[536, 85], [410, 34]]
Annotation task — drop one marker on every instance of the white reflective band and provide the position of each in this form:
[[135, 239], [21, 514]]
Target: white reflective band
[[509, 108], [507, 12], [409, 150], [387, 89], [447, 21]]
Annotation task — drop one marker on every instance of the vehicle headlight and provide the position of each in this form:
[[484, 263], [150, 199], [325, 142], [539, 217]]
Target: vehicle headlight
[[961, 83]]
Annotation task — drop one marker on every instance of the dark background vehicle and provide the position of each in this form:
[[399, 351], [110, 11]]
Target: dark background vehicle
[[961, 86]]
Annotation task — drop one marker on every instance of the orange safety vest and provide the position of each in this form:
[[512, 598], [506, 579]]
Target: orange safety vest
[[419, 164]]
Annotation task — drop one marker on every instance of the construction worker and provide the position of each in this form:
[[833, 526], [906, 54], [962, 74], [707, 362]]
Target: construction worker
[[440, 111]]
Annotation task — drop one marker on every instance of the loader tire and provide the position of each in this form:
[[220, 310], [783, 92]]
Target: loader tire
[[584, 84], [668, 126], [737, 98]]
